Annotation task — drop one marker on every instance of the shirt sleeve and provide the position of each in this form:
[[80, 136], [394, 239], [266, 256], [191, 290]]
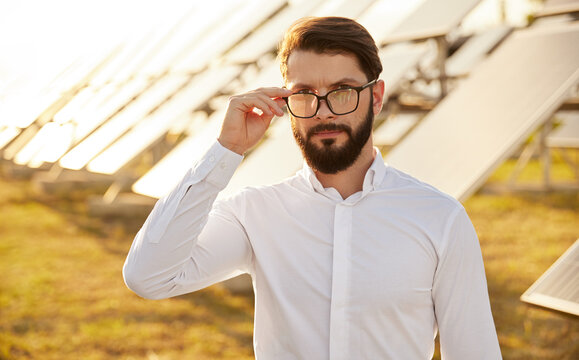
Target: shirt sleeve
[[181, 247], [460, 295]]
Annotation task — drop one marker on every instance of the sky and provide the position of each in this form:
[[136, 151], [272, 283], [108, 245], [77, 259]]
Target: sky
[[39, 37]]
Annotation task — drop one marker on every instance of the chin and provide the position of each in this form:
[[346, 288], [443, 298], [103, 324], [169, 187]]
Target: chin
[[328, 143]]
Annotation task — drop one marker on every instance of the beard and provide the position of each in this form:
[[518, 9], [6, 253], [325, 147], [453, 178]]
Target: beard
[[331, 158]]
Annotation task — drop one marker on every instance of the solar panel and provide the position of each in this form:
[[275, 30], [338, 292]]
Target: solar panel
[[558, 287], [50, 136], [118, 69], [201, 21], [385, 15], [484, 120], [154, 126], [558, 7], [41, 107], [265, 38], [25, 106], [343, 8], [397, 60], [133, 59], [76, 124], [7, 134], [106, 103], [269, 75], [475, 50], [227, 34], [432, 18], [21, 112], [81, 154], [167, 173], [395, 128], [80, 101]]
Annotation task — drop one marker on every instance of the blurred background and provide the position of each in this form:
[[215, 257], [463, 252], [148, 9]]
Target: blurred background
[[105, 105], [39, 39]]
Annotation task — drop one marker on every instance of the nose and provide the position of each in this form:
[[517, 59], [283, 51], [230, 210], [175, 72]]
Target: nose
[[324, 112]]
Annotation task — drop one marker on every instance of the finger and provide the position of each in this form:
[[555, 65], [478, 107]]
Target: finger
[[275, 105], [261, 100], [281, 103], [263, 105], [260, 116], [274, 92], [247, 102]]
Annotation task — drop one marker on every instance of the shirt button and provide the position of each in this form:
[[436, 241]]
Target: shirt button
[[223, 166], [212, 158]]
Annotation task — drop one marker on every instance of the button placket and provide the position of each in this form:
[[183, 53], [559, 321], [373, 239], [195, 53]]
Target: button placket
[[340, 273]]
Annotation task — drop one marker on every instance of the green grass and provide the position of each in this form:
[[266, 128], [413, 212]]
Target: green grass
[[62, 294], [521, 234]]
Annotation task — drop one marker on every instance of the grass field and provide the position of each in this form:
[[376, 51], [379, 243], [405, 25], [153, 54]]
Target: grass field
[[62, 294]]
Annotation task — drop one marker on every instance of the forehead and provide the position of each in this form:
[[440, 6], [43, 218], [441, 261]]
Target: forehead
[[319, 70]]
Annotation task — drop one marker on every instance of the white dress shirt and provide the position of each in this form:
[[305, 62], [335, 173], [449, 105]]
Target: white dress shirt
[[373, 276]]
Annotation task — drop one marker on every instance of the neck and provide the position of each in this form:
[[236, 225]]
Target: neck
[[351, 180]]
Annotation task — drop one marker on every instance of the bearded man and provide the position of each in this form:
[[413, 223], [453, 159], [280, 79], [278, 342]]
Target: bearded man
[[350, 258]]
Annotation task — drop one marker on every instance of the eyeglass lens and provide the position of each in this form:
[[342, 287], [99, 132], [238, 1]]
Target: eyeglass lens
[[340, 101]]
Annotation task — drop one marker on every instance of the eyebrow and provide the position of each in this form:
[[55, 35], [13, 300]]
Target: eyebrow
[[336, 83]]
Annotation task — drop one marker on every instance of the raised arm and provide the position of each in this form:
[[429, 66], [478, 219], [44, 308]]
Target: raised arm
[[182, 246]]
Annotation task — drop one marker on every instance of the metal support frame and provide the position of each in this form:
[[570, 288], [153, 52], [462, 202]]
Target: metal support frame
[[442, 46], [538, 145]]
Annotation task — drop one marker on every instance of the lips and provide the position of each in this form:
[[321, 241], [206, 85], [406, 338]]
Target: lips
[[328, 133], [329, 130]]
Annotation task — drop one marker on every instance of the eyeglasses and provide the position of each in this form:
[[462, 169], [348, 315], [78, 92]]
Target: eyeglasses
[[340, 101]]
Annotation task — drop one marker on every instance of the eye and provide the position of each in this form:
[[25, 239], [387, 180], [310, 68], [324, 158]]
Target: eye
[[304, 91]]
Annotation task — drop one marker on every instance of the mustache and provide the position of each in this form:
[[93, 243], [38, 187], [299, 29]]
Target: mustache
[[329, 127]]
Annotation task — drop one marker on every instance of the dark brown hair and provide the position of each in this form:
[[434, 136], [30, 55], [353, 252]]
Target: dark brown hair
[[334, 35]]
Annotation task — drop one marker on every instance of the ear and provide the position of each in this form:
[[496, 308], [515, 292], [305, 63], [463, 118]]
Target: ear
[[378, 96]]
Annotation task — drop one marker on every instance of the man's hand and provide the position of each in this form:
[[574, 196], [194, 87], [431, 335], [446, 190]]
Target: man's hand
[[243, 127]]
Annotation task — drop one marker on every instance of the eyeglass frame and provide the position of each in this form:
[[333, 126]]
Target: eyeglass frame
[[358, 89]]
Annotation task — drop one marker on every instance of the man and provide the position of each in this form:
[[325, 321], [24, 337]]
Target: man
[[350, 258]]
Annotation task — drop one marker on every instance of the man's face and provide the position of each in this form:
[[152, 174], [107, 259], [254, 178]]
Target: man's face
[[330, 143]]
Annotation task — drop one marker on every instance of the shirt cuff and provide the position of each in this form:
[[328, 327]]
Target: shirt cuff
[[216, 167], [223, 163]]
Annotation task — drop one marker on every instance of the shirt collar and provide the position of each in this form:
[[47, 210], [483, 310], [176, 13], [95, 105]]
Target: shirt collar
[[372, 180]]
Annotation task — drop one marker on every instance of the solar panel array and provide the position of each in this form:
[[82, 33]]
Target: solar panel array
[[487, 118], [161, 97], [103, 115]]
